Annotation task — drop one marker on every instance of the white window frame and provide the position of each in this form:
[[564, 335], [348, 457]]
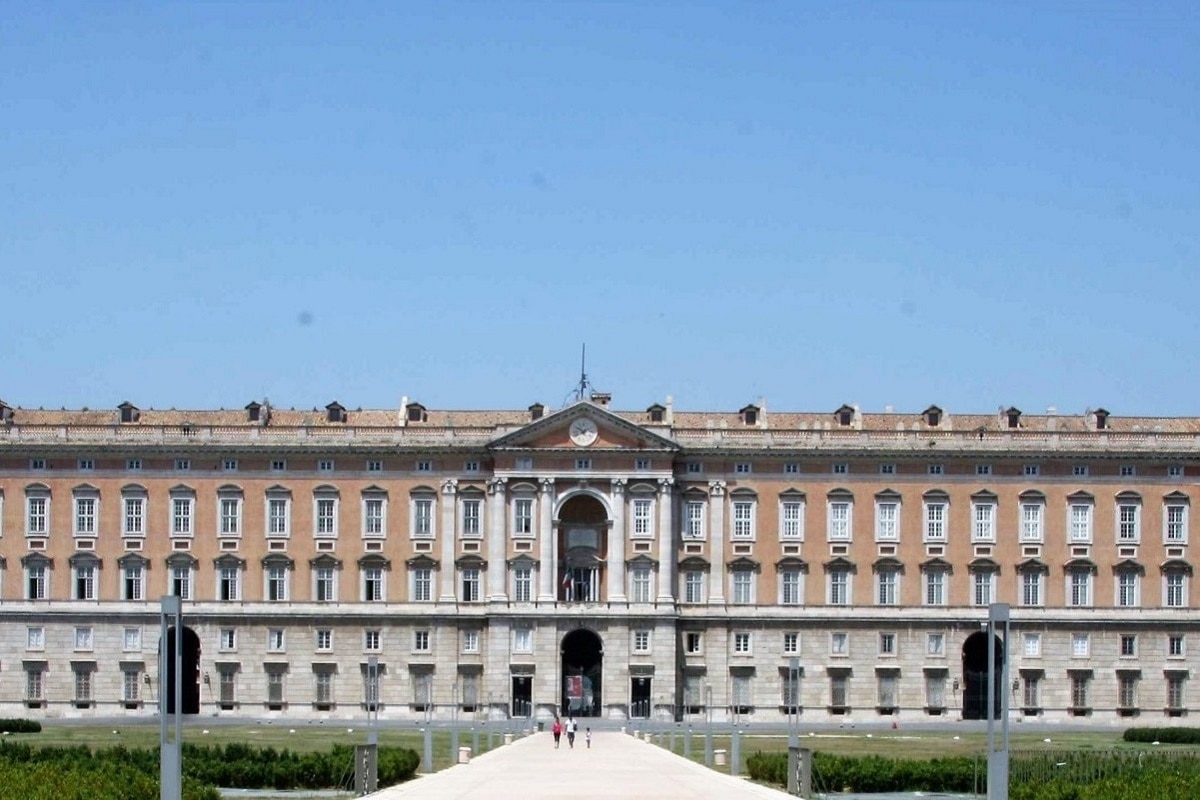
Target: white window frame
[[743, 519], [791, 643], [374, 515], [791, 519], [325, 584], [37, 512], [1033, 589], [133, 514], [1033, 521], [840, 520], [277, 583], [641, 584], [741, 587], [983, 582], [791, 587], [641, 641], [420, 585], [1081, 645], [470, 581], [422, 515], [470, 640], [229, 526], [935, 644], [694, 589], [1080, 516], [1031, 645], [1175, 590], [229, 583], [1080, 588], [276, 640], [887, 587], [839, 587], [642, 518], [183, 514], [839, 643], [743, 468], [1129, 522], [323, 640], [1175, 532], [85, 521], [84, 578], [983, 521], [522, 639], [524, 525], [376, 577], [325, 525], [470, 510], [522, 576], [933, 589], [1128, 591], [887, 520], [743, 643], [935, 515], [133, 582], [695, 513], [284, 501], [227, 640]]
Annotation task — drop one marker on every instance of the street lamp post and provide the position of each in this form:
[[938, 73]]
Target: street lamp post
[[708, 733]]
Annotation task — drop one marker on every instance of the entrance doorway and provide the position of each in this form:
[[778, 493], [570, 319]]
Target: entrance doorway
[[975, 675], [582, 662], [639, 698], [522, 696], [190, 674]]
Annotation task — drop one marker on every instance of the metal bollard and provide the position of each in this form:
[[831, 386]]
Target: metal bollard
[[735, 764]]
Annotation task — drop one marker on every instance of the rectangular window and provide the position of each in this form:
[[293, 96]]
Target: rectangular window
[[324, 640], [130, 685], [1031, 589], [1032, 643], [1175, 690], [1176, 592], [935, 690], [326, 516], [985, 522], [181, 582], [839, 644], [35, 582], [183, 464], [1128, 645], [35, 638], [470, 586], [641, 464], [935, 588], [936, 469], [640, 579], [372, 641], [83, 685], [522, 639], [789, 587], [935, 644], [85, 516], [231, 516], [743, 520], [1079, 690], [839, 690], [470, 466], [135, 516], [742, 468], [277, 583], [325, 465], [229, 464], [374, 465], [743, 587], [887, 644], [470, 517], [887, 469], [1176, 647], [1032, 470], [935, 522], [373, 585], [791, 644], [984, 584], [643, 517], [1081, 522], [278, 465], [83, 638], [1080, 645], [1080, 588], [85, 582], [1031, 696], [523, 516], [839, 521], [228, 640], [1175, 524], [1031, 522], [470, 641], [37, 513], [1175, 471], [791, 468], [523, 464], [694, 520], [983, 469], [841, 468], [693, 586], [694, 467], [422, 585], [886, 586], [1079, 470], [229, 584], [275, 640], [693, 643], [1127, 590], [641, 641], [1129, 522], [423, 517], [583, 463], [523, 584], [278, 522], [1128, 470], [181, 517], [324, 588], [791, 520], [741, 643], [132, 582], [373, 516], [887, 521], [839, 588]]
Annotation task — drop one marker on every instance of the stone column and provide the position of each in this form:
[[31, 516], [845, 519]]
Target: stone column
[[616, 545], [448, 572], [548, 570], [666, 540], [497, 518], [716, 516]]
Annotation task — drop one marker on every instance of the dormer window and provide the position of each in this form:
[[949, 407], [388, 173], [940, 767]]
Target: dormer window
[[6, 412], [1101, 419], [1014, 417], [749, 415], [933, 416], [254, 412], [414, 412], [602, 398], [845, 415], [129, 412], [335, 412], [656, 412], [536, 411]]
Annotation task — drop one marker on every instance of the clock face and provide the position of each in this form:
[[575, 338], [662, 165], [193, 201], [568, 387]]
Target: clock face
[[583, 432]]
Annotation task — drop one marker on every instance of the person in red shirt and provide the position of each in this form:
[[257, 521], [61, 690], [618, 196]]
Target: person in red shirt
[[557, 729]]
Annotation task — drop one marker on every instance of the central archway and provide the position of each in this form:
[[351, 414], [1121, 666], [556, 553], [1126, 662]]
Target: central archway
[[582, 664], [582, 549]]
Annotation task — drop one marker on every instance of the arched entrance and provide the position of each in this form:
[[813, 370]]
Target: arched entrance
[[975, 675], [582, 549], [190, 672], [582, 662]]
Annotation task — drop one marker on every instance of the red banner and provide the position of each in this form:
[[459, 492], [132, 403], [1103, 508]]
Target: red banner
[[575, 687]]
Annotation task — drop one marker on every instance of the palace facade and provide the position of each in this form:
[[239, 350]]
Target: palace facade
[[659, 563]]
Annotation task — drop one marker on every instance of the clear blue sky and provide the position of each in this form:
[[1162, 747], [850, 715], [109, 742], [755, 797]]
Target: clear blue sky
[[973, 204]]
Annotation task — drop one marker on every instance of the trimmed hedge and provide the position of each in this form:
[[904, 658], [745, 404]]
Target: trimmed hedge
[[20, 726], [87, 781], [1166, 781], [235, 766], [1163, 735], [874, 773]]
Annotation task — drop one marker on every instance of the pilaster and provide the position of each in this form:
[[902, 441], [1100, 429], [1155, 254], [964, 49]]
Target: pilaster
[[716, 573], [447, 571], [548, 571], [616, 544], [497, 585], [666, 540]]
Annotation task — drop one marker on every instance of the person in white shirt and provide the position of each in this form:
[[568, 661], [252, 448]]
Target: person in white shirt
[[571, 728]]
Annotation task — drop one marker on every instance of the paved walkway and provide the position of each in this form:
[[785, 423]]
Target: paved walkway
[[616, 766]]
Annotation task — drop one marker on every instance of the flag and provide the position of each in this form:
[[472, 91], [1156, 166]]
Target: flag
[[568, 584]]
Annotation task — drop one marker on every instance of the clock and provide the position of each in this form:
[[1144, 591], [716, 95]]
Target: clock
[[583, 432]]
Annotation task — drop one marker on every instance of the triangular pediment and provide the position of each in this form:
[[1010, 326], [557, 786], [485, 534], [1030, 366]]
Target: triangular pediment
[[600, 430]]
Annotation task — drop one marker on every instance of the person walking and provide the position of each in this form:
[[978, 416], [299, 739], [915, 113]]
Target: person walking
[[587, 737], [557, 730], [571, 728]]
